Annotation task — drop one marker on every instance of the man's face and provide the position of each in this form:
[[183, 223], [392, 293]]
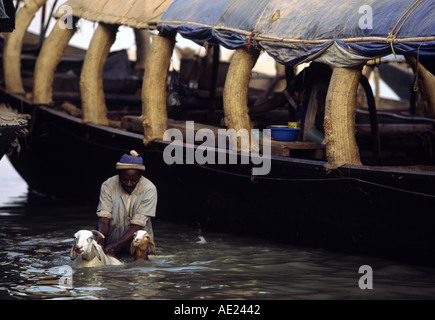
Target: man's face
[[129, 179]]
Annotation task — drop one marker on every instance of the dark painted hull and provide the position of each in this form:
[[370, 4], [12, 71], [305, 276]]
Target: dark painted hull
[[361, 209], [6, 138]]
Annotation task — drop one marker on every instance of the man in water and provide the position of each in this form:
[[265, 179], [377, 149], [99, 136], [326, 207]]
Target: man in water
[[127, 202]]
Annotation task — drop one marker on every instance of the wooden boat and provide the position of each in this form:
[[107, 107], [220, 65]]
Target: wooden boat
[[310, 197], [11, 124]]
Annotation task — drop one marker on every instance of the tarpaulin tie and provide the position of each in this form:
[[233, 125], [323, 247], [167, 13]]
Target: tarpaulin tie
[[392, 37], [415, 86], [250, 39]]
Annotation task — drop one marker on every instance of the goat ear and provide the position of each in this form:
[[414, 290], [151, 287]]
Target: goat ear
[[95, 249], [153, 246], [73, 253], [132, 248]]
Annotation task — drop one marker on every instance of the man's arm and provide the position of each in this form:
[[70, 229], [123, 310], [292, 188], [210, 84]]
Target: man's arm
[[103, 227], [113, 248]]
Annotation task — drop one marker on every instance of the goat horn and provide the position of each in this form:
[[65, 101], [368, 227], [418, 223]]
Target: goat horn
[[95, 232]]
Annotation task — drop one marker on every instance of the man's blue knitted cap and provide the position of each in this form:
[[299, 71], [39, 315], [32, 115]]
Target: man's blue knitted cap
[[130, 161]]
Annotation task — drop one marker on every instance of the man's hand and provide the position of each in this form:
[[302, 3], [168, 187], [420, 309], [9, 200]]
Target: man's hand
[[112, 249]]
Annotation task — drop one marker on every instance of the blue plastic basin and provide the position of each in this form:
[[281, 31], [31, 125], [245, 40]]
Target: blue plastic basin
[[284, 133]]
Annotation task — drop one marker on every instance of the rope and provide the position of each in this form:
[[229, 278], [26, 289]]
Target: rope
[[415, 86], [392, 37], [356, 180], [255, 179], [250, 39], [226, 10], [260, 37]]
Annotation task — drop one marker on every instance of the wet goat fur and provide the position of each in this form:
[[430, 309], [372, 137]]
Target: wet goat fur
[[86, 252], [140, 245]]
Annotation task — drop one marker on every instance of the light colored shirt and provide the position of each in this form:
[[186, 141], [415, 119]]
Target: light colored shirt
[[124, 209]]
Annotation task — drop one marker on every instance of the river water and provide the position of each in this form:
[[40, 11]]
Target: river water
[[36, 236]]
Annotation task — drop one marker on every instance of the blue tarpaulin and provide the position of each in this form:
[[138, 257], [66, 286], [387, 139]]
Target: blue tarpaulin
[[337, 32]]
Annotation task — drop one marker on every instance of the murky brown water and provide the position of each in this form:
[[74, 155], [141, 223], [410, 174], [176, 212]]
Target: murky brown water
[[35, 239]]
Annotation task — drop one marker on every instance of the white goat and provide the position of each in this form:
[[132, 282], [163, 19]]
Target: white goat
[[86, 252]]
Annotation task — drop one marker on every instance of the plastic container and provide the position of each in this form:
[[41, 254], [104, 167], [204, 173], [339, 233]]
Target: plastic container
[[284, 133], [294, 125]]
